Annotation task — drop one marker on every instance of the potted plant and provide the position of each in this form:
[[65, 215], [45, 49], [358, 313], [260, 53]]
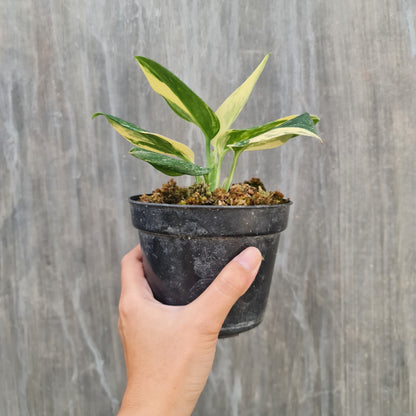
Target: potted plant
[[189, 234]]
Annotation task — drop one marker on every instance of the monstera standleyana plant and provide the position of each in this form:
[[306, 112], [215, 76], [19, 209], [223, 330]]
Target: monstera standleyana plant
[[174, 158]]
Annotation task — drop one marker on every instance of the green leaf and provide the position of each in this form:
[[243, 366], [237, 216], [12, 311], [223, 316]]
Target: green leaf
[[168, 165], [268, 136], [232, 106], [147, 140], [181, 99]]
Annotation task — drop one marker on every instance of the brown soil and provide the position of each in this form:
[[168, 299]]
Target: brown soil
[[251, 192]]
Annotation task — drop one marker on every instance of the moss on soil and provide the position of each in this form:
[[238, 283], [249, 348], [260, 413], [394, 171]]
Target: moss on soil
[[251, 192]]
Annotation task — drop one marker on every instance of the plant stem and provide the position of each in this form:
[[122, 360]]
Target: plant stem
[[218, 170], [208, 152], [213, 173], [237, 154], [209, 161]]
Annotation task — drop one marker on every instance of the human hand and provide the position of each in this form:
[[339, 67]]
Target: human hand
[[169, 350]]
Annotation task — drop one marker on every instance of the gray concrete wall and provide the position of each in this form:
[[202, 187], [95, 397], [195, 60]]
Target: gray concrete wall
[[339, 336]]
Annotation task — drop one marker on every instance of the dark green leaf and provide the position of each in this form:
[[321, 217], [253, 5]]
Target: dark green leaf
[[168, 165]]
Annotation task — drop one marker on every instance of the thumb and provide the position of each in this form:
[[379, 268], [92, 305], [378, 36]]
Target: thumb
[[233, 281]]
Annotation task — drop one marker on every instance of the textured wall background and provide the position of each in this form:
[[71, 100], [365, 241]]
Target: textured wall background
[[339, 336]]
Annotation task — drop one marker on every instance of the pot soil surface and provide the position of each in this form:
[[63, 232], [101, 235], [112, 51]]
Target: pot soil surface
[[249, 193]]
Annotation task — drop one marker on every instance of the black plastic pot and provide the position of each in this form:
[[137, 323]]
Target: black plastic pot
[[185, 247]]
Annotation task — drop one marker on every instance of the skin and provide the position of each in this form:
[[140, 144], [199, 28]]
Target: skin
[[169, 350]]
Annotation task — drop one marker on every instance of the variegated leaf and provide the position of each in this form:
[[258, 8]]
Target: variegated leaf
[[147, 140], [233, 136], [182, 100], [232, 106], [270, 136]]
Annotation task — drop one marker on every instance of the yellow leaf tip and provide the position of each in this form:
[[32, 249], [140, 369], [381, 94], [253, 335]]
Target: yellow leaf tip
[[266, 58]]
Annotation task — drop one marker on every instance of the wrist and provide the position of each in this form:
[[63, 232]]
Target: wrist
[[134, 407], [142, 404]]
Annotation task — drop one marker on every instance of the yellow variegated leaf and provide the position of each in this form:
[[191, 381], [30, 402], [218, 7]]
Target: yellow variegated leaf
[[181, 99], [260, 139], [147, 140], [232, 106], [233, 136], [277, 137]]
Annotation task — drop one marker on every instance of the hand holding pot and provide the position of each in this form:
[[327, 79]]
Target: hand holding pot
[[169, 350]]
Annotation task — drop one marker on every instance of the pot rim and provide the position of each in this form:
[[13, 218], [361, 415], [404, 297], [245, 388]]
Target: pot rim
[[133, 200]]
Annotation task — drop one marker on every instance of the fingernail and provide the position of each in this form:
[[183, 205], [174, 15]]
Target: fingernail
[[250, 259]]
